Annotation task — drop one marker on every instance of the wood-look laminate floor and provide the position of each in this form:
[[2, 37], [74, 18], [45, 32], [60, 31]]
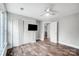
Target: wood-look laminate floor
[[42, 49]]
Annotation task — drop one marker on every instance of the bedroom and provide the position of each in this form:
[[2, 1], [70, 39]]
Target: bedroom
[[56, 30]]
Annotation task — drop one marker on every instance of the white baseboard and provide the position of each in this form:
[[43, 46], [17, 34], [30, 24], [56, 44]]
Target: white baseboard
[[74, 46], [10, 46]]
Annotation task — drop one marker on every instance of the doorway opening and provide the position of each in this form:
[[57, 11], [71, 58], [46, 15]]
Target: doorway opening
[[50, 32], [46, 32]]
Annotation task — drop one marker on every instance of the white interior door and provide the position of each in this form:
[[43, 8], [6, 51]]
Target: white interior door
[[15, 36], [21, 31], [53, 32]]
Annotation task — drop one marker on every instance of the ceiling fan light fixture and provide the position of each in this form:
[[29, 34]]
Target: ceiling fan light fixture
[[49, 12]]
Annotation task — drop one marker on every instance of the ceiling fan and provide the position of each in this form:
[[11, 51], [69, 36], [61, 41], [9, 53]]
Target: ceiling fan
[[49, 11]]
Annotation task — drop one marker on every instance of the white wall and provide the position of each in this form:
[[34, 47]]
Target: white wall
[[69, 30], [29, 36], [39, 29], [18, 30]]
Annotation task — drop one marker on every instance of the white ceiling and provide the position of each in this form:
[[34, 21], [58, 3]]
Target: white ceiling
[[36, 9]]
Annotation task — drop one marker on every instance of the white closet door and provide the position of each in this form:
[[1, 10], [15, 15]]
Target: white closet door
[[15, 36], [21, 31], [53, 32]]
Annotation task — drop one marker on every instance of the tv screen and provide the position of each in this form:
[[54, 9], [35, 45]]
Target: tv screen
[[32, 27]]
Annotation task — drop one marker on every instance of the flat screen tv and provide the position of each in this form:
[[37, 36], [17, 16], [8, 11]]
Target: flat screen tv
[[32, 27]]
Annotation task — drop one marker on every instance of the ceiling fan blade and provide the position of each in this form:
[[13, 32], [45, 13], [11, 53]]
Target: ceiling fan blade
[[43, 13]]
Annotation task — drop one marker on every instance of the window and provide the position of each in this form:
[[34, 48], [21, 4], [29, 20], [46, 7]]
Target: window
[[0, 32], [3, 31]]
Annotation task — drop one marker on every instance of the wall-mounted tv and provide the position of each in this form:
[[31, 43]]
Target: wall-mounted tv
[[32, 27]]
